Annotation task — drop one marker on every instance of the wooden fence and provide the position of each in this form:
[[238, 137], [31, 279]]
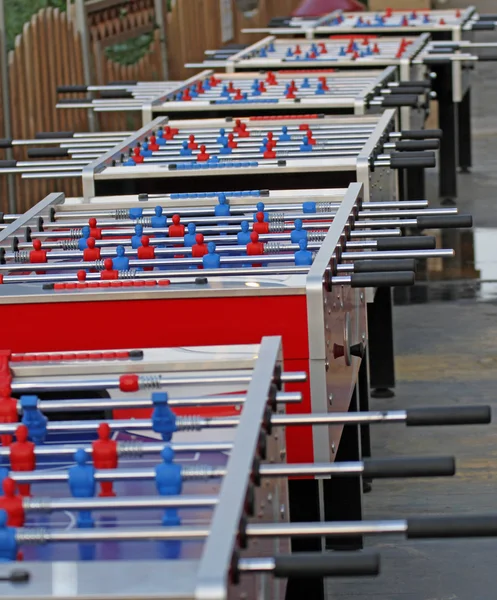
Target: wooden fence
[[48, 54]]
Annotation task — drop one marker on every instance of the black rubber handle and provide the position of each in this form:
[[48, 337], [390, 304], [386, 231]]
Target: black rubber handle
[[279, 22], [382, 279], [7, 164], [445, 222], [408, 89], [439, 60], [487, 58], [408, 161], [452, 526], [483, 26], [400, 100], [51, 135], [421, 134], [5, 142], [412, 145], [407, 242], [487, 17], [374, 266], [47, 152], [328, 564], [71, 89], [73, 100], [424, 84], [382, 468], [448, 415], [115, 94]]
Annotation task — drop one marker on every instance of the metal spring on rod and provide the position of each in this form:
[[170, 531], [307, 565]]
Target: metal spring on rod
[[32, 536], [272, 248], [190, 423], [146, 221], [149, 382], [196, 471], [315, 236], [69, 244], [99, 264], [129, 274], [22, 256], [43, 504], [75, 233], [133, 449], [121, 214], [324, 207], [277, 225]]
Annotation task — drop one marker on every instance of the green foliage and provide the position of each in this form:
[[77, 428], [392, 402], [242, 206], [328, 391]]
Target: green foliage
[[18, 12], [131, 51]]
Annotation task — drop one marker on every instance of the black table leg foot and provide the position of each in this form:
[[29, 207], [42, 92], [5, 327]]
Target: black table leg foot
[[465, 170], [367, 486], [448, 202], [382, 393]]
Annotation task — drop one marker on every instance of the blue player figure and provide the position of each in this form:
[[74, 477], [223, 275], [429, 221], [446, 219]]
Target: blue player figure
[[159, 138], [8, 543], [222, 136], [85, 234], [82, 484], [163, 418], [120, 262], [189, 237], [303, 257], [136, 240], [211, 260], [285, 136], [159, 221], [169, 482], [298, 233], [222, 209], [243, 236], [34, 419], [185, 151], [145, 151]]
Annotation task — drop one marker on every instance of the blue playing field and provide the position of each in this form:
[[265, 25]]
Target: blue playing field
[[119, 518]]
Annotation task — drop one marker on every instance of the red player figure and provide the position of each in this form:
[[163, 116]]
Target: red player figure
[[262, 87], [376, 49], [91, 253], [242, 130], [388, 12], [213, 81], [169, 133], [200, 248], [177, 229], [200, 89], [95, 232], [297, 50], [231, 87], [269, 152], [203, 156], [231, 141], [254, 247], [22, 457], [136, 156], [271, 78], [290, 95], [109, 272], [260, 226], [310, 139], [365, 41], [405, 21], [442, 21], [186, 95], [192, 144], [105, 457], [322, 48], [11, 503], [238, 95], [146, 252], [152, 145], [37, 255], [8, 412]]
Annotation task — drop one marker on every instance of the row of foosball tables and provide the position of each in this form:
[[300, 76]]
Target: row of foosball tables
[[195, 421]]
